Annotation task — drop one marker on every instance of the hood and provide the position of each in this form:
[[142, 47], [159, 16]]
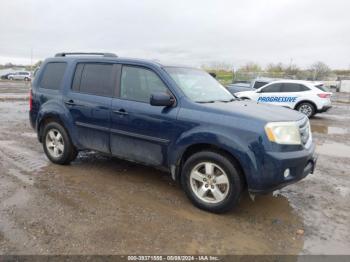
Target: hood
[[250, 109]]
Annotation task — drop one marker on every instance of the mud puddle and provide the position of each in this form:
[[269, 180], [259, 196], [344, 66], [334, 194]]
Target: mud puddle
[[329, 130], [334, 149]]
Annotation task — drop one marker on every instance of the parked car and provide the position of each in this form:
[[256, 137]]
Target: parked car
[[248, 86], [5, 76], [177, 119], [22, 75], [306, 97]]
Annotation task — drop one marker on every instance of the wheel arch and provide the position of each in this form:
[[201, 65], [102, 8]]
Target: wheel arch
[[306, 101], [58, 118], [198, 147]]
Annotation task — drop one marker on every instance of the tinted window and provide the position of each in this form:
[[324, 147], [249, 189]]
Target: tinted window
[[259, 84], [53, 75], [272, 88], [138, 84], [77, 77], [95, 79], [322, 88], [291, 87]]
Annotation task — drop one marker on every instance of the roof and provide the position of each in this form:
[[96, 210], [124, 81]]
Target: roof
[[296, 81], [112, 57]]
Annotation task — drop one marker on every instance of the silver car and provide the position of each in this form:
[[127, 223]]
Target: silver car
[[22, 75]]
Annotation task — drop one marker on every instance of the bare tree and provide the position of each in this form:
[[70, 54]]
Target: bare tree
[[250, 67], [320, 70], [275, 68], [217, 66]]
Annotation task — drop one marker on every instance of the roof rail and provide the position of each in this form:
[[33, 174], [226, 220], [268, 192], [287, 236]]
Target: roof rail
[[82, 53]]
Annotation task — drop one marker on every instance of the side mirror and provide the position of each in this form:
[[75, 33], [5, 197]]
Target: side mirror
[[161, 99], [212, 74]]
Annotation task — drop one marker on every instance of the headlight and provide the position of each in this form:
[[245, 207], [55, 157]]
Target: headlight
[[286, 133]]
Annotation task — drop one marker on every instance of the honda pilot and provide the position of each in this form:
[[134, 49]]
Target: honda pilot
[[177, 119]]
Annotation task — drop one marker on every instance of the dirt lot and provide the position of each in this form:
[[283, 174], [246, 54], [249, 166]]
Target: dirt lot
[[101, 205]]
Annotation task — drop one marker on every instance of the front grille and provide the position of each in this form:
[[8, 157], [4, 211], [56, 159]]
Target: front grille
[[304, 128]]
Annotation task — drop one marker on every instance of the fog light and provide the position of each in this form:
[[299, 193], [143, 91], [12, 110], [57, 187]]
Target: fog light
[[286, 173]]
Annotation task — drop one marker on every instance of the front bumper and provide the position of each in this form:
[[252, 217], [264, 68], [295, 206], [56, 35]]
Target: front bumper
[[300, 163]]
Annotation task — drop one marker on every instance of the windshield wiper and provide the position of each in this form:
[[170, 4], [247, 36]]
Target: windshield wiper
[[231, 100], [204, 102]]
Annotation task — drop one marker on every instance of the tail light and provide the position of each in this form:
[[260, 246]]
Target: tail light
[[324, 95], [30, 100]]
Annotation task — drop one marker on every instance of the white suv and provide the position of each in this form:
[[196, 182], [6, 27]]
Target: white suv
[[22, 75], [307, 97]]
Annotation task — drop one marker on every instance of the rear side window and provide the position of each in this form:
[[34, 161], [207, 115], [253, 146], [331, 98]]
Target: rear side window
[[94, 79], [291, 87], [53, 75], [273, 88]]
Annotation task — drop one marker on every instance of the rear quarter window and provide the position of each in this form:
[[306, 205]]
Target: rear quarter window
[[322, 88], [53, 75]]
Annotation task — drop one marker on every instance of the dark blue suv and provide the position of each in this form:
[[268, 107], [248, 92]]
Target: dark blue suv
[[178, 119]]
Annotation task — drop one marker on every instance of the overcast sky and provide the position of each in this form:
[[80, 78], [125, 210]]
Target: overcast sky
[[192, 32]]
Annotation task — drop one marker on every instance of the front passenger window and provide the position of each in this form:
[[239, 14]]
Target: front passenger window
[[138, 84], [273, 88]]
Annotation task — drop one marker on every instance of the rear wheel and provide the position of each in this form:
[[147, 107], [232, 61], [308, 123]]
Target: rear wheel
[[57, 145], [11, 78], [306, 108], [211, 182]]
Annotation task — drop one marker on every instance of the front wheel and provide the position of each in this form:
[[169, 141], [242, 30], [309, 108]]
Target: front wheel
[[211, 181], [306, 108], [57, 145]]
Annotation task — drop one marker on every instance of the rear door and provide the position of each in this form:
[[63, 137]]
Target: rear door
[[89, 103], [292, 92], [139, 131]]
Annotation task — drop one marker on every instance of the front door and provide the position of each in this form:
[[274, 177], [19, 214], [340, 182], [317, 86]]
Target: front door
[[270, 94], [141, 132]]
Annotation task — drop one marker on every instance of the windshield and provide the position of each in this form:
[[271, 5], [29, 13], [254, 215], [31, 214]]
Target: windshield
[[198, 85]]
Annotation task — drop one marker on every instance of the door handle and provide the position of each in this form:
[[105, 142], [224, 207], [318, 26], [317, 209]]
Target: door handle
[[70, 102], [120, 112]]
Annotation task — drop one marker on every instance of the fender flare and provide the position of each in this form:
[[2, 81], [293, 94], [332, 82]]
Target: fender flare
[[233, 145], [307, 101], [53, 110]]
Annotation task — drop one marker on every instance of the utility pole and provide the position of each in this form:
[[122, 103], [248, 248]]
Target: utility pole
[[31, 61]]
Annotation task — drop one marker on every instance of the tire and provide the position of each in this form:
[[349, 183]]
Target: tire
[[26, 79], [11, 78], [205, 194], [306, 108], [57, 144]]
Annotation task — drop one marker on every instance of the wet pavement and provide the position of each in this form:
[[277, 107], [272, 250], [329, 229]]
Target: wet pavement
[[102, 205]]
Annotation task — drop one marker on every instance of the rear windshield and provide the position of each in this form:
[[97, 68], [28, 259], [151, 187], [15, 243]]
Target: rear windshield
[[322, 88]]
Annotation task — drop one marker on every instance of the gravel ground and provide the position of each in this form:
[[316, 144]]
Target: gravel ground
[[102, 205]]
